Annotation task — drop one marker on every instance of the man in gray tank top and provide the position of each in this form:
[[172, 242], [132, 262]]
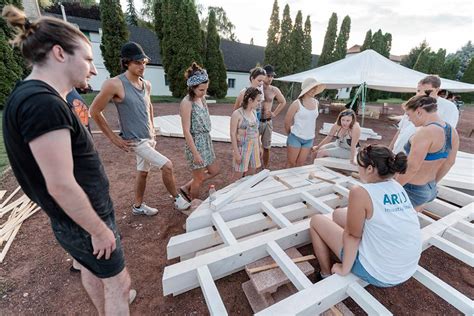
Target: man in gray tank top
[[131, 95]]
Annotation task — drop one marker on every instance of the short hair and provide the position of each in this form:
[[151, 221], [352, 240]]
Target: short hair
[[257, 71], [432, 80]]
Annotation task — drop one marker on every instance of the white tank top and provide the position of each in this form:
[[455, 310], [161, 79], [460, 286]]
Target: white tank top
[[391, 240], [304, 122]]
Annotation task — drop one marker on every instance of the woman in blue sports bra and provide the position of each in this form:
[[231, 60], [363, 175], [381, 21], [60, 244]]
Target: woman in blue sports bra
[[431, 150]]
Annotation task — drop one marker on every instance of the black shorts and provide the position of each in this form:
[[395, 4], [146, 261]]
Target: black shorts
[[77, 242]]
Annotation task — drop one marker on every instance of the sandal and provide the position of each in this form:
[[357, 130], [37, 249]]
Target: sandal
[[184, 194]]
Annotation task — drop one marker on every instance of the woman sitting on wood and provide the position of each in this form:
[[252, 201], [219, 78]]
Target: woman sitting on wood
[[347, 132], [377, 237]]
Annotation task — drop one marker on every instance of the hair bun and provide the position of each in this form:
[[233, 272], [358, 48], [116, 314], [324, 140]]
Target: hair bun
[[398, 164]]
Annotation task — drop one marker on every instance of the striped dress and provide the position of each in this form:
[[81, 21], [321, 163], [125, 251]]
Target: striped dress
[[248, 144]]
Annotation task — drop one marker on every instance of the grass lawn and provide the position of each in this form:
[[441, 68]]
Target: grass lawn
[[3, 154], [89, 97], [390, 101]]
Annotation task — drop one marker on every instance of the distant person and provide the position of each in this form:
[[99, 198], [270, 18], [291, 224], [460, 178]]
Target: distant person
[[80, 107], [347, 132], [447, 111], [431, 150], [443, 93], [378, 236], [257, 78], [244, 135], [196, 124], [55, 161], [300, 123], [266, 124], [131, 95]]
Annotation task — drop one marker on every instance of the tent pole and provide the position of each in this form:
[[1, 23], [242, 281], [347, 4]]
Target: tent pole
[[364, 93]]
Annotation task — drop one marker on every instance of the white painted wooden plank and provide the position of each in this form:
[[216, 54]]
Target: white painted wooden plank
[[453, 249], [440, 207], [223, 230], [341, 190], [424, 220], [296, 276], [211, 294], [459, 238], [182, 275], [275, 215], [229, 196], [445, 291], [454, 196], [316, 203], [368, 303], [314, 300], [466, 227], [207, 237], [336, 163]]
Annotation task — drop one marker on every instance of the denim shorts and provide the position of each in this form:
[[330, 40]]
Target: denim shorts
[[77, 242], [296, 142], [421, 194], [359, 270]]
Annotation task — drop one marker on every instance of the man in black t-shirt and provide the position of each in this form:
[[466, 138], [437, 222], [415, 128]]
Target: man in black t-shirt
[[54, 159]]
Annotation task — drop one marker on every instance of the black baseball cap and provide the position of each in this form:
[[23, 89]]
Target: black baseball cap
[[133, 51], [270, 71]]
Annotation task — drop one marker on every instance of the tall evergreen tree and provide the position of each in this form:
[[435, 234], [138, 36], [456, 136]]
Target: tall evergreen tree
[[342, 38], [285, 53], [273, 37], [438, 61], [225, 27], [468, 77], [182, 41], [388, 44], [131, 16], [378, 42], [297, 44], [114, 34], [329, 41], [410, 59], [424, 61], [214, 61], [307, 44], [367, 41], [159, 9]]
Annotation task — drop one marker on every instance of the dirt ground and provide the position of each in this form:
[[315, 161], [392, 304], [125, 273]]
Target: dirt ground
[[35, 277]]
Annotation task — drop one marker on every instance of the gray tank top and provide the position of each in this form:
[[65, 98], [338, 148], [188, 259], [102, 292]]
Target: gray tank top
[[134, 112]]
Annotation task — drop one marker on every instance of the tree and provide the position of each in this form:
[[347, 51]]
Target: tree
[[307, 44], [329, 41], [273, 37], [450, 68], [342, 38], [132, 16], [225, 27], [424, 61], [464, 55], [214, 61], [388, 44], [251, 41], [159, 11], [181, 42], [378, 42], [367, 41], [438, 60], [148, 9], [297, 44], [114, 34], [75, 9], [468, 77], [285, 57], [410, 59]]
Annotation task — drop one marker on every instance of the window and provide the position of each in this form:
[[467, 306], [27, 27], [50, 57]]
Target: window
[[231, 83], [167, 82]]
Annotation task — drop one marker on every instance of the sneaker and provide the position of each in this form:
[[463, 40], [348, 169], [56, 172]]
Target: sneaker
[[131, 296], [144, 210], [180, 203]]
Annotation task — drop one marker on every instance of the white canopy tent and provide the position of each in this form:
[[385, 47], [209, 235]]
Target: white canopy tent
[[373, 69]]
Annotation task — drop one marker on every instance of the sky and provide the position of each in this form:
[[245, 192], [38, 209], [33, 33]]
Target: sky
[[442, 23]]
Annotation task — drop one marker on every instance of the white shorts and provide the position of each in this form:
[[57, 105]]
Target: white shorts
[[148, 156]]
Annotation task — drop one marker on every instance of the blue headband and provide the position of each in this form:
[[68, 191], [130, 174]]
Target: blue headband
[[197, 78]]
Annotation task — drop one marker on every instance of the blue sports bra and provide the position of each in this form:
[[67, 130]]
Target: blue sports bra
[[443, 153]]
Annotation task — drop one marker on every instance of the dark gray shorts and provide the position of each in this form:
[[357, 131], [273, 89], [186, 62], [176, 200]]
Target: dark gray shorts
[[77, 242]]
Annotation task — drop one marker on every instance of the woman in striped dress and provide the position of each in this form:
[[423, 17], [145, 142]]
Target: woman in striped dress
[[244, 135]]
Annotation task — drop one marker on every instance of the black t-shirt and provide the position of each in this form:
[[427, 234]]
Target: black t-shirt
[[34, 108]]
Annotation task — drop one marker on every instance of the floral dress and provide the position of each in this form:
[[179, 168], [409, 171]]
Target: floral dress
[[200, 131]]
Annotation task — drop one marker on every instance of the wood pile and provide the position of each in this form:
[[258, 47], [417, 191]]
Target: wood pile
[[19, 210]]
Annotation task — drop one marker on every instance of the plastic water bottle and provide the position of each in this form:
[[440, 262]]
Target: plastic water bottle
[[212, 193]]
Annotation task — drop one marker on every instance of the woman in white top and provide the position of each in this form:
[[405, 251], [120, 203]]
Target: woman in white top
[[300, 123], [347, 133], [377, 237]]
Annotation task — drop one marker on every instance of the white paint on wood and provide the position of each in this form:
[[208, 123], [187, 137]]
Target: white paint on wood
[[454, 250], [223, 230], [368, 303], [275, 215], [211, 294]]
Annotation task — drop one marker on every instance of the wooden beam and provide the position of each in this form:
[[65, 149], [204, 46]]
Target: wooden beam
[[316, 203], [223, 230], [296, 276], [368, 303], [454, 250], [454, 196], [211, 294], [275, 215], [275, 265]]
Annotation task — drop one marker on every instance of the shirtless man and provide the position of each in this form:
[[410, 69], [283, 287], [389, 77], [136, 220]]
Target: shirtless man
[[266, 126]]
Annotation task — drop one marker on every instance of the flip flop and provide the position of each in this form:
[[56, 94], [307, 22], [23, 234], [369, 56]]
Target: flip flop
[[184, 194]]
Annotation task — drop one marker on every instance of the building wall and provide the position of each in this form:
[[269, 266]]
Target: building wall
[[155, 74]]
